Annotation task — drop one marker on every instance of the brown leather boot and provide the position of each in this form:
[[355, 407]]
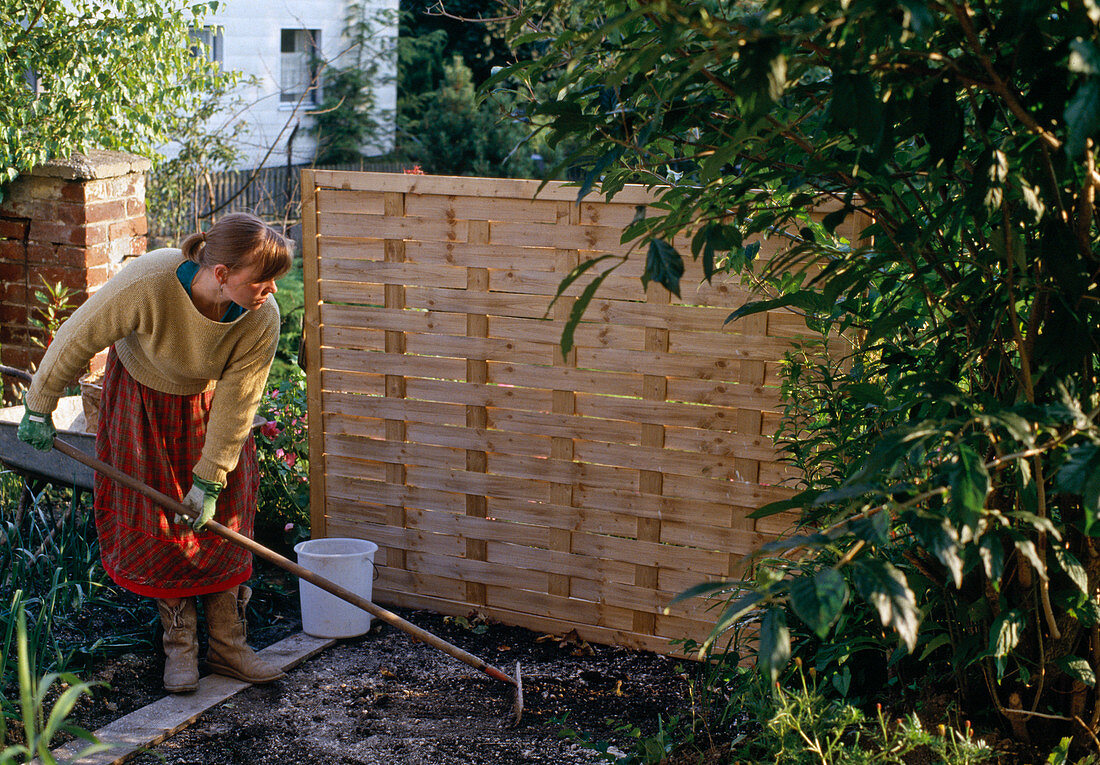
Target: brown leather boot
[[181, 646], [228, 654]]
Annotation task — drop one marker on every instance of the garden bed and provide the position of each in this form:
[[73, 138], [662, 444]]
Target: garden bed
[[386, 698]]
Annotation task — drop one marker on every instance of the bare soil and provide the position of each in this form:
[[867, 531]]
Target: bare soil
[[386, 698]]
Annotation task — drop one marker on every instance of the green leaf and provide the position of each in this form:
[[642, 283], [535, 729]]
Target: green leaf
[[802, 499], [1082, 116], [736, 610], [1084, 57], [1088, 613], [1080, 474], [934, 644], [884, 587], [705, 589], [1072, 568], [663, 265], [942, 540], [1004, 636], [969, 486], [775, 644], [1027, 549], [818, 601], [1078, 669], [993, 557], [577, 312], [807, 300], [855, 106]]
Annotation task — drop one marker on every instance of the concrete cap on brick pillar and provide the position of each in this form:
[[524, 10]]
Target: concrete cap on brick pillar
[[98, 163]]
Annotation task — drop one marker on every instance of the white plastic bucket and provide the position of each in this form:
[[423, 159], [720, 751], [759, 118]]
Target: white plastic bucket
[[343, 561]]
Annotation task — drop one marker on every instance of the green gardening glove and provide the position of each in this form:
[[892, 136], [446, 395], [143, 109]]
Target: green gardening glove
[[36, 428], [201, 501]]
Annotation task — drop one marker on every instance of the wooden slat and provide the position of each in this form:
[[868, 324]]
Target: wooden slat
[[573, 237], [489, 188], [362, 202], [481, 255], [454, 207], [381, 318], [548, 284], [371, 272], [393, 364], [355, 293], [387, 227]]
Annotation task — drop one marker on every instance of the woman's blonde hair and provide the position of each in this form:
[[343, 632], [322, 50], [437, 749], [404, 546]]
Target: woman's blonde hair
[[240, 240]]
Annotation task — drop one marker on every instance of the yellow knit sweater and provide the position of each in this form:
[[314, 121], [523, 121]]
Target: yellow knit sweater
[[166, 344]]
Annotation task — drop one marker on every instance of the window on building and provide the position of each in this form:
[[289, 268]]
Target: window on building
[[207, 42], [300, 52]]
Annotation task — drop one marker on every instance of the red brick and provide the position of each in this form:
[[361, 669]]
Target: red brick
[[45, 188], [140, 244], [50, 231], [68, 255], [127, 228], [73, 192], [112, 210], [12, 315], [95, 233], [96, 254], [12, 272], [73, 278], [41, 253], [12, 228], [135, 206], [96, 276], [69, 212], [13, 292], [12, 251], [15, 208]]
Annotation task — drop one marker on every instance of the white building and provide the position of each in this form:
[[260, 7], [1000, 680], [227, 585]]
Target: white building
[[278, 43]]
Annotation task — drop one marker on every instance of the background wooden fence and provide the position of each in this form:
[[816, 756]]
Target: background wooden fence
[[556, 493]]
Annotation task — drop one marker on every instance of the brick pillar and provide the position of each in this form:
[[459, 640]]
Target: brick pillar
[[71, 221]]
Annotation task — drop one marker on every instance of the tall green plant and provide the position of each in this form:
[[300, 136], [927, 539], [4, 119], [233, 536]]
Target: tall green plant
[[82, 74], [349, 119], [964, 511], [40, 728], [458, 134]]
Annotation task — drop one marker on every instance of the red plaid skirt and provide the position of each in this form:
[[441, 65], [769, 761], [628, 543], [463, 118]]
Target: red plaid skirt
[[158, 438]]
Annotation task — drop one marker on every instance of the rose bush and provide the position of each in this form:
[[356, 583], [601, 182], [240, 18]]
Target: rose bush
[[282, 449]]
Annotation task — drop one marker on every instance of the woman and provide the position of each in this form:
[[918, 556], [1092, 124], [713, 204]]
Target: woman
[[192, 335]]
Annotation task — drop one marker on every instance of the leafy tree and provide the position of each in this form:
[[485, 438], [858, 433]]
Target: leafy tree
[[179, 193], [348, 117], [482, 45], [952, 487], [78, 74], [459, 135]]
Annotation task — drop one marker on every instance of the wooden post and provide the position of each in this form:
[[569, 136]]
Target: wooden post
[[395, 384], [564, 402], [311, 331], [654, 388], [477, 417]]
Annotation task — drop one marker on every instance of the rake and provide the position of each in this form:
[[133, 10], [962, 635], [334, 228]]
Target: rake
[[175, 506]]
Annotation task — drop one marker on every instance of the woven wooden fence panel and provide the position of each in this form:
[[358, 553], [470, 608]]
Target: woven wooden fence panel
[[556, 493]]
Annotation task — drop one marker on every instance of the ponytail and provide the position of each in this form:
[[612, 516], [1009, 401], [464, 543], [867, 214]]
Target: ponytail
[[192, 247]]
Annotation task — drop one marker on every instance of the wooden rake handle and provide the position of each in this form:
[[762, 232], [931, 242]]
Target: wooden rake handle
[[271, 556]]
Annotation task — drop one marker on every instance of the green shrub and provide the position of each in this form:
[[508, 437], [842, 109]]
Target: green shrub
[[282, 450], [458, 135]]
